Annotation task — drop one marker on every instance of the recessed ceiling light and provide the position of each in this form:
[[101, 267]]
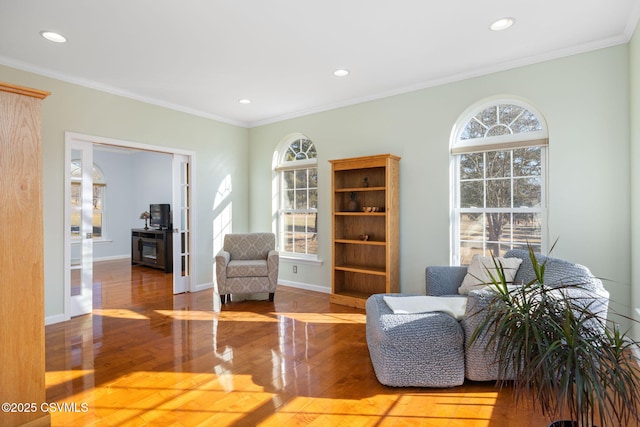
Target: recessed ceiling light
[[244, 101], [502, 24], [53, 37], [341, 73]]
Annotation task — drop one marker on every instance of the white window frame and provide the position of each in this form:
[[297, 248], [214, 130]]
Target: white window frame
[[485, 144], [98, 181], [281, 165]]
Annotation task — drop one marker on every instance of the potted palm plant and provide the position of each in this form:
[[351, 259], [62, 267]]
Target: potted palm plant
[[557, 352]]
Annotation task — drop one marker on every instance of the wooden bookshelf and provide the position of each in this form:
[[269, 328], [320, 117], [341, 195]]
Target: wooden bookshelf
[[365, 241]]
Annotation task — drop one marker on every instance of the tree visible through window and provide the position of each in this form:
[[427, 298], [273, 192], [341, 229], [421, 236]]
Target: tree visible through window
[[499, 155], [298, 198]]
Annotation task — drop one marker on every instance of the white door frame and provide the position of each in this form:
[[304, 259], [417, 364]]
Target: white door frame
[[182, 235], [69, 136], [82, 302]]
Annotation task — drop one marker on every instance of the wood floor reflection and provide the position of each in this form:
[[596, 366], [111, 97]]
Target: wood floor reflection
[[147, 357]]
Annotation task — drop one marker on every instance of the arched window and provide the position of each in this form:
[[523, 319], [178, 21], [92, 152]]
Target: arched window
[[296, 166], [499, 150], [99, 186]]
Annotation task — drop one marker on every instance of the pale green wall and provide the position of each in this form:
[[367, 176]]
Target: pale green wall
[[634, 54], [585, 100], [220, 149]]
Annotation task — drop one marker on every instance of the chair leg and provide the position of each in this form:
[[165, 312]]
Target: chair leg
[[223, 299], [271, 295]]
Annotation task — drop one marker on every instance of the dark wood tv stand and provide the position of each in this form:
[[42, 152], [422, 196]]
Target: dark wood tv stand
[[152, 248]]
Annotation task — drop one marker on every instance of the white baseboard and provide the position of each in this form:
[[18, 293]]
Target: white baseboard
[[203, 286], [291, 284], [112, 258], [56, 318], [306, 286]]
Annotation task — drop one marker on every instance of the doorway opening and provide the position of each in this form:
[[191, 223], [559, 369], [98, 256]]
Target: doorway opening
[[176, 171]]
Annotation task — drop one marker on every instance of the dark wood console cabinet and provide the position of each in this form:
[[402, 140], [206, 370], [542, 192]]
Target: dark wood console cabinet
[[152, 248]]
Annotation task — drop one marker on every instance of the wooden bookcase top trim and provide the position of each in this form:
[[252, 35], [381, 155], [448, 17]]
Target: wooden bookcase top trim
[[21, 90], [379, 157]]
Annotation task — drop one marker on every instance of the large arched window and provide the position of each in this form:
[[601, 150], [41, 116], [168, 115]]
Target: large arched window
[[297, 197], [499, 150], [99, 186]]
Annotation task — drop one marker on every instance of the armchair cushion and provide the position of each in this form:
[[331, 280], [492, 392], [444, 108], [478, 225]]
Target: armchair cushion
[[247, 267]]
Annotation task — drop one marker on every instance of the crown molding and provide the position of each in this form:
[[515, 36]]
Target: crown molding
[[495, 68], [9, 62]]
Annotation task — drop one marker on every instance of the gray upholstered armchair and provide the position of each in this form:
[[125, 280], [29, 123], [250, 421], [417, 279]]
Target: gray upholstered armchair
[[247, 263]]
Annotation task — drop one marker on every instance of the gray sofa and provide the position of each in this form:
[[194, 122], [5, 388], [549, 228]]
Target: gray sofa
[[433, 349]]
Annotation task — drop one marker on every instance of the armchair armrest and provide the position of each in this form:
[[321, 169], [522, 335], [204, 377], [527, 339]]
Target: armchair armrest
[[594, 301], [222, 260], [223, 257], [444, 280], [273, 262], [481, 356]]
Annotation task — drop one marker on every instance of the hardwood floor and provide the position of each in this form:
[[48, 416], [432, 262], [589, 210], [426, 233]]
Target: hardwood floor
[[147, 357]]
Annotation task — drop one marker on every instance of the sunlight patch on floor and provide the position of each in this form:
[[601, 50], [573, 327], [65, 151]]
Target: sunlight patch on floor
[[163, 394], [120, 313], [54, 378], [325, 317]]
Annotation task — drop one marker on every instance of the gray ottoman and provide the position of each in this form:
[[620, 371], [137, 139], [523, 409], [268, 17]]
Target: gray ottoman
[[414, 350]]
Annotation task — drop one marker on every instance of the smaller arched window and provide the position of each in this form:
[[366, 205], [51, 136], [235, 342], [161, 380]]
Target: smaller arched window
[[498, 149], [99, 186], [297, 197]]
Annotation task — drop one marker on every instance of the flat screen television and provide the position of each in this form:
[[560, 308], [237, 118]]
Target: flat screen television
[[160, 216]]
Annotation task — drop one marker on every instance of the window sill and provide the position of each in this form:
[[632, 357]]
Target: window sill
[[308, 261]]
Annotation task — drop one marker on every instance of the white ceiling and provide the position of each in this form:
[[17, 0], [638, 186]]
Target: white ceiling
[[202, 56]]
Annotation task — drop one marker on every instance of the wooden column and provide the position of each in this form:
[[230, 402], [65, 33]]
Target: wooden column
[[22, 364]]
